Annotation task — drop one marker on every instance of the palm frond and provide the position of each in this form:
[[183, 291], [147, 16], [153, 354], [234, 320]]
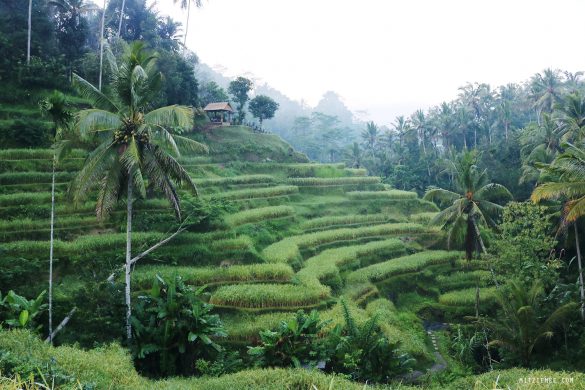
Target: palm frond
[[493, 191], [131, 161], [93, 120], [441, 196], [170, 116], [91, 93], [97, 163], [554, 191]]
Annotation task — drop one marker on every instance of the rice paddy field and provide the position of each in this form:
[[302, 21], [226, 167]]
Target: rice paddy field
[[282, 235]]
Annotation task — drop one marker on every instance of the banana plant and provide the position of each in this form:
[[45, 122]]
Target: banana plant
[[18, 312]]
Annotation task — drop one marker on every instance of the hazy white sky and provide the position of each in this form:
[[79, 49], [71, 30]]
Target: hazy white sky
[[386, 57]]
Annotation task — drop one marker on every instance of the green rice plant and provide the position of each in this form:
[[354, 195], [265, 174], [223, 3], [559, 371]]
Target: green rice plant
[[258, 215], [254, 193], [199, 276], [332, 181], [355, 171], [349, 219], [460, 279], [388, 194], [424, 218], [241, 243], [245, 327], [403, 326], [288, 249], [359, 292], [46, 165], [243, 179], [8, 178], [401, 265], [269, 296], [30, 154], [467, 297], [26, 198]]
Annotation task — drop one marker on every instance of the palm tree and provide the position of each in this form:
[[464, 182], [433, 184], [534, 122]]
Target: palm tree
[[102, 45], [121, 18], [522, 325], [370, 136], [29, 32], [540, 143], [570, 114], [473, 203], [545, 89], [133, 143], [187, 4], [569, 169], [57, 107]]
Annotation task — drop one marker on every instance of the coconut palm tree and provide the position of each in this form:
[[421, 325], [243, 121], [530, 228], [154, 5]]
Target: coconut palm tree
[[522, 324], [569, 170], [371, 136], [570, 115], [29, 32], [102, 24], [545, 89], [134, 142], [473, 203], [57, 108], [187, 4], [540, 143]]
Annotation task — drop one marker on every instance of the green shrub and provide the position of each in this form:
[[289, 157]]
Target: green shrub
[[258, 215], [268, 296], [412, 263], [144, 276], [389, 194]]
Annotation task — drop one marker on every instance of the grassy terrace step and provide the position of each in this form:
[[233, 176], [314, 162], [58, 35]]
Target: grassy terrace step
[[253, 273], [41, 165], [351, 219], [27, 225], [32, 187], [425, 218], [258, 215], [288, 249], [244, 326], [466, 297], [416, 262], [389, 194], [460, 279], [269, 296], [36, 154], [34, 177], [332, 181], [256, 193], [39, 198], [326, 265], [243, 179]]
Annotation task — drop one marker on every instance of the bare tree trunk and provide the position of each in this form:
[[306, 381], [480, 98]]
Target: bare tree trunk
[[121, 17], [580, 271], [29, 32], [51, 244], [102, 45], [187, 23], [128, 258], [61, 325], [484, 251]]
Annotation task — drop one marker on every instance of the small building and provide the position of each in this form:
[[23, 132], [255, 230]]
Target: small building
[[220, 112]]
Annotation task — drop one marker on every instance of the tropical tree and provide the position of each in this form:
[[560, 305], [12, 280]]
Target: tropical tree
[[570, 115], [473, 203], [134, 143], [58, 109], [187, 4], [262, 107], [545, 89], [522, 323], [239, 89], [371, 136], [569, 170], [540, 143], [29, 32]]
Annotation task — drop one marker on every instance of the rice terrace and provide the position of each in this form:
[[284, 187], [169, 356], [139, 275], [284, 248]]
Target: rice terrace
[[168, 224]]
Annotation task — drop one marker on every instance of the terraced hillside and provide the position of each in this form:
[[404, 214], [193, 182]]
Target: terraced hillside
[[283, 234]]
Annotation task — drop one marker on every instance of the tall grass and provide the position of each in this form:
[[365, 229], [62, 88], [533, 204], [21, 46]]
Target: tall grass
[[288, 249], [412, 263], [258, 215], [389, 194], [268, 296], [253, 273], [467, 297]]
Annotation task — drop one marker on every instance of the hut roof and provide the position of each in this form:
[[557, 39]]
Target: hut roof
[[219, 106]]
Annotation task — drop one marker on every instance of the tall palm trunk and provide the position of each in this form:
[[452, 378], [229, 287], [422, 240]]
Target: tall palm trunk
[[480, 240], [128, 259], [51, 253], [29, 31], [580, 271], [102, 45], [187, 23], [121, 17]]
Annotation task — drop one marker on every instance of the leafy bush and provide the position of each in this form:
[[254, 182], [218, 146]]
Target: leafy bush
[[18, 312], [294, 342], [173, 328]]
